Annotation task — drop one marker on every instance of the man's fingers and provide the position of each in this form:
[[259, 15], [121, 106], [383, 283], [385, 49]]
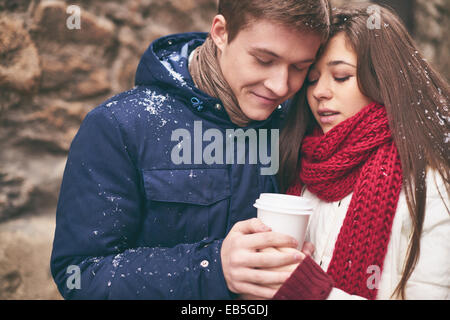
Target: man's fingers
[[265, 260], [268, 239], [250, 226], [249, 297], [263, 277], [251, 289], [290, 268]]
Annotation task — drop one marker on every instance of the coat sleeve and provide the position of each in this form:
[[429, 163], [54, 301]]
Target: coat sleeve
[[98, 219]]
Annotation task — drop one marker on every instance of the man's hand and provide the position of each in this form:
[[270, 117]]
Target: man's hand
[[307, 250], [248, 269]]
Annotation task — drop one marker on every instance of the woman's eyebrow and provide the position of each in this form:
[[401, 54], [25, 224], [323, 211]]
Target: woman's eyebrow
[[338, 62]]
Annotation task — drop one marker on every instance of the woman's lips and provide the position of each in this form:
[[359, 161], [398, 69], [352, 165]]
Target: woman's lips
[[328, 119], [327, 116]]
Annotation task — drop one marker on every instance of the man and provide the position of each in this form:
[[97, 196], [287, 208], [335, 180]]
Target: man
[[145, 211]]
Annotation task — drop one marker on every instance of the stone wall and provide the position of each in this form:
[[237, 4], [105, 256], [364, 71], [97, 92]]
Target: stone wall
[[51, 76], [432, 32], [431, 29]]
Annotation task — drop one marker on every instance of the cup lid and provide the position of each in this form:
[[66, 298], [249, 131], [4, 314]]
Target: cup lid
[[283, 202]]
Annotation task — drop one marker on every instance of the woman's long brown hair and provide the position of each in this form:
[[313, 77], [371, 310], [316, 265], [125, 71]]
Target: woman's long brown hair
[[391, 71]]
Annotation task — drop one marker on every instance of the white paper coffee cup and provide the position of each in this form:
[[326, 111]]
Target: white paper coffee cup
[[285, 214]]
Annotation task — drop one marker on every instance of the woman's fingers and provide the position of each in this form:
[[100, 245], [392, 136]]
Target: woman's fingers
[[308, 248]]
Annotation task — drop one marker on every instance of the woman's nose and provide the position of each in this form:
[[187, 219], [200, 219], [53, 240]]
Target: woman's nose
[[322, 90]]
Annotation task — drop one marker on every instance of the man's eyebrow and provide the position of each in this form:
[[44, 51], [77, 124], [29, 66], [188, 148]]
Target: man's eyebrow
[[273, 54], [338, 62]]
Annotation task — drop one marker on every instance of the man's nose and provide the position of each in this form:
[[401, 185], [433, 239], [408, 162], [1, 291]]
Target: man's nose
[[278, 82]]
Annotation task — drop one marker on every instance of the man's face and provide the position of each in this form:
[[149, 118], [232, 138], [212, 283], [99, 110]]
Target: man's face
[[265, 64]]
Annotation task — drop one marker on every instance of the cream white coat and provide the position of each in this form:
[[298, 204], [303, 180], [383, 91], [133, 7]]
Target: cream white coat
[[431, 277]]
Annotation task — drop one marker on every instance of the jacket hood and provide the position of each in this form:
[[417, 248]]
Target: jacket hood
[[165, 61]]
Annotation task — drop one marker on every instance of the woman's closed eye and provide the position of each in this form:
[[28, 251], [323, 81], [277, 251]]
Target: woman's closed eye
[[342, 79], [313, 81]]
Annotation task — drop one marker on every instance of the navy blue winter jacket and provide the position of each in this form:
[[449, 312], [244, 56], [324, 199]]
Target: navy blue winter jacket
[[131, 223]]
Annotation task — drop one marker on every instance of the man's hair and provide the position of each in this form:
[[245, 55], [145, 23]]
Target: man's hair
[[303, 15]]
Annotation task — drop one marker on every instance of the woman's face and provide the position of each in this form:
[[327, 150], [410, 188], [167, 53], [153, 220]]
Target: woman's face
[[333, 92]]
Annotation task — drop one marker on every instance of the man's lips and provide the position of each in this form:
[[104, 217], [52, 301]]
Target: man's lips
[[266, 99]]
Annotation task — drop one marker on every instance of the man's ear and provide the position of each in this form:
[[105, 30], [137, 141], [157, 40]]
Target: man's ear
[[219, 33]]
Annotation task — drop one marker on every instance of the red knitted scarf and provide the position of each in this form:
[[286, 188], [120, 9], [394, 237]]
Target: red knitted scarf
[[358, 155]]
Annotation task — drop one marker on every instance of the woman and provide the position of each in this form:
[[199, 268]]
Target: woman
[[372, 150]]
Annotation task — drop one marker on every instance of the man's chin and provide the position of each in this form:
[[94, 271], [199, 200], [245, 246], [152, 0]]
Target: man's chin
[[259, 115]]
